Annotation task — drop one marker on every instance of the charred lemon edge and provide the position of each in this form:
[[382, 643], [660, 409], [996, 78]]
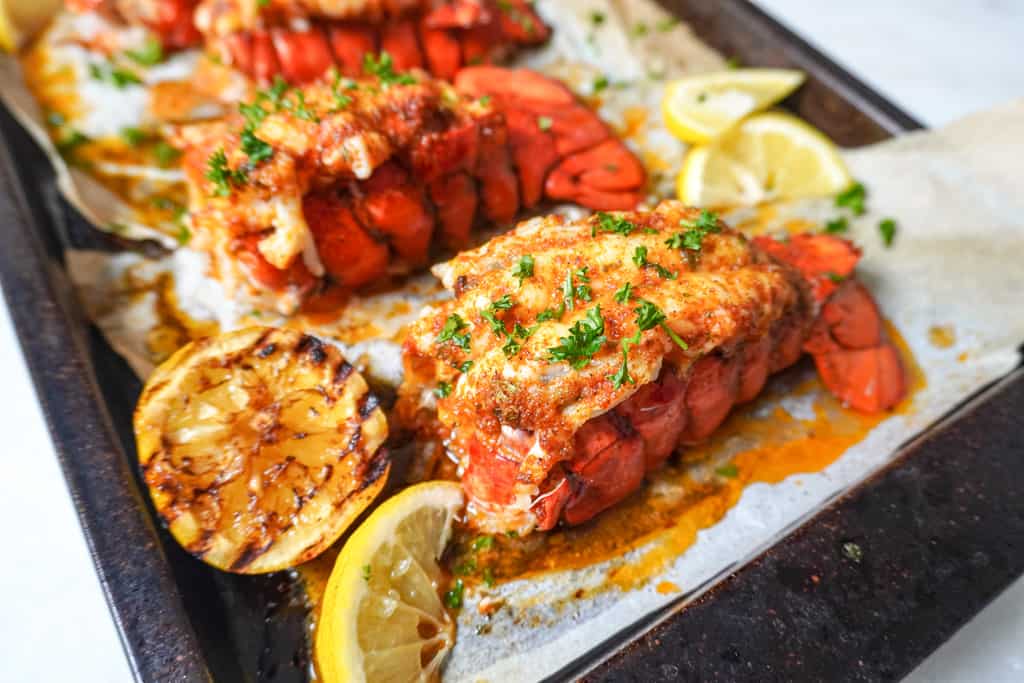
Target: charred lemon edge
[[151, 409]]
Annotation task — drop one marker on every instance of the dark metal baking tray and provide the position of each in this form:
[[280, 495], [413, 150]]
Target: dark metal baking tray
[[943, 526]]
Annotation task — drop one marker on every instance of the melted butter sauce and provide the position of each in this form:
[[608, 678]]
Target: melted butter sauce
[[130, 171], [795, 427]]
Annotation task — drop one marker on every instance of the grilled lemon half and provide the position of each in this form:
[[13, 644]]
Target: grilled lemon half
[[259, 447]]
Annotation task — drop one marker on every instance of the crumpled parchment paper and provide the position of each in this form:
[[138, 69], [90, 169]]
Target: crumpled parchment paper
[[957, 263]]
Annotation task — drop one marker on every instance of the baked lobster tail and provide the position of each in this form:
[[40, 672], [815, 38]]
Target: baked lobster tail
[[346, 181], [265, 40], [576, 357]]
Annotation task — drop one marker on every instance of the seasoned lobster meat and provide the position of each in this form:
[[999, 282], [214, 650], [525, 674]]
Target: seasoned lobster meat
[[349, 180], [577, 356]]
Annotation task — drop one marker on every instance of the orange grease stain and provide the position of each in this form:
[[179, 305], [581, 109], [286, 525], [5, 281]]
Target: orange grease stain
[[667, 587], [633, 121], [942, 336]]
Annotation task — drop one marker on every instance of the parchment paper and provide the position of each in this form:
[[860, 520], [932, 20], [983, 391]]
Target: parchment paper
[[956, 263]]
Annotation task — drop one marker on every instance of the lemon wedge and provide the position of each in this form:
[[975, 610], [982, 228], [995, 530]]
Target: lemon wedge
[[768, 156], [700, 108], [382, 617], [21, 19], [259, 447]]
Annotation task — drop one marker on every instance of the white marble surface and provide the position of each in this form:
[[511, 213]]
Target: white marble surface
[[939, 59]]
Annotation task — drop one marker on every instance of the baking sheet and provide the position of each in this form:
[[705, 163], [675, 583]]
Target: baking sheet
[[955, 265]]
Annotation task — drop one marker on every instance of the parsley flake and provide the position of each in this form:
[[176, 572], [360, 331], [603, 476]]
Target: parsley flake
[[606, 222], [453, 325], [132, 136], [544, 122], [551, 313], [257, 150], [729, 471], [383, 68], [223, 177], [366, 572], [624, 293], [443, 390], [852, 198], [151, 52], [837, 225], [586, 337], [640, 259], [888, 230], [117, 77], [523, 269], [165, 154], [453, 598], [482, 543]]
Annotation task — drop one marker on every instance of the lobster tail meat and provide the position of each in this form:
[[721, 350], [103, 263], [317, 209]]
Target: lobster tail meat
[[440, 37], [558, 387], [561, 148], [401, 161], [169, 20]]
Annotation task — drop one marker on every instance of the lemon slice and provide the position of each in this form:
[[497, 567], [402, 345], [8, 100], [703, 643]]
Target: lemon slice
[[259, 447], [21, 19], [701, 108], [382, 617], [768, 156]]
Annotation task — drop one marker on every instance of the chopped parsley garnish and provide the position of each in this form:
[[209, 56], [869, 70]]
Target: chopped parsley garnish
[[523, 269], [482, 543], [165, 154], [453, 325], [600, 83], [151, 52], [488, 577], [597, 18], [648, 316], [341, 100], [551, 313], [692, 238], [466, 366], [443, 390], [184, 235], [511, 347], [834, 277], [298, 107], [853, 551], [485, 101], [852, 198], [383, 68], [366, 572], [624, 293], [571, 292], [524, 332], [256, 149], [667, 24], [275, 93], [488, 314], [640, 259], [888, 229], [252, 113], [117, 77], [544, 122], [71, 141], [586, 337], [837, 225], [516, 15], [133, 136], [453, 598], [223, 177], [733, 63], [639, 29], [606, 222], [729, 471]]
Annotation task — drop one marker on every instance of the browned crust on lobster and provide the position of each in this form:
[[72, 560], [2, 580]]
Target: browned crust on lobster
[[354, 179], [541, 441]]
